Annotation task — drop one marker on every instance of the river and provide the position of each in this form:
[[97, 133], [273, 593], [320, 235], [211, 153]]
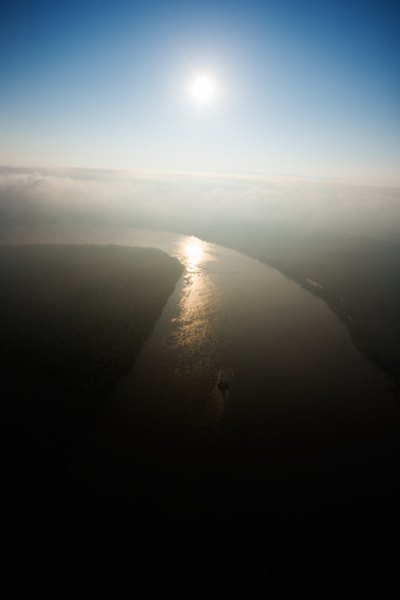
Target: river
[[305, 435], [295, 369]]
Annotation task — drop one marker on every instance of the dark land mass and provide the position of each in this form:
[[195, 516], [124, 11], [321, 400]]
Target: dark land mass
[[147, 508], [72, 321], [358, 277]]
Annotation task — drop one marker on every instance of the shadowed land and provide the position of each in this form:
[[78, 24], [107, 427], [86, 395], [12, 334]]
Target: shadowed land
[[72, 321]]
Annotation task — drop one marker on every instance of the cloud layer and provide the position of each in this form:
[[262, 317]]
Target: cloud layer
[[192, 202]]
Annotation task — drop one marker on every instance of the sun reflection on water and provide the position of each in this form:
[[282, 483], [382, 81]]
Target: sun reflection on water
[[193, 325], [193, 253]]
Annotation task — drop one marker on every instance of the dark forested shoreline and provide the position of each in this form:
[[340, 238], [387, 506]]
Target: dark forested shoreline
[[73, 319]]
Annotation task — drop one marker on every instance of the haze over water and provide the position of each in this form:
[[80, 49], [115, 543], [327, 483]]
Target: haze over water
[[303, 400], [230, 311]]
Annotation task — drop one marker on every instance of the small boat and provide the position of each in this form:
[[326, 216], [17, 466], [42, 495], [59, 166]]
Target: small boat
[[224, 380]]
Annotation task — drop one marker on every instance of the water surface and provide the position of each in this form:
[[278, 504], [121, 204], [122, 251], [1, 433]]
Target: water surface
[[300, 453], [297, 374]]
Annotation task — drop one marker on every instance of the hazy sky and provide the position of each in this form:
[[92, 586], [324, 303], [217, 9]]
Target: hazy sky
[[306, 88], [193, 203]]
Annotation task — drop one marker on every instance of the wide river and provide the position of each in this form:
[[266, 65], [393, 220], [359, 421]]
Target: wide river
[[295, 369], [299, 447]]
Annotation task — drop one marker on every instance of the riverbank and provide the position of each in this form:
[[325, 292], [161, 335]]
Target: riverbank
[[73, 319], [357, 277]]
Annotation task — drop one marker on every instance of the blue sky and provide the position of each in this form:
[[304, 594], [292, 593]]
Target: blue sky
[[308, 89]]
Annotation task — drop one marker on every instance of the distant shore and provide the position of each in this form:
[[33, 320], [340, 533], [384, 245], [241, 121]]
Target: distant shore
[[362, 339]]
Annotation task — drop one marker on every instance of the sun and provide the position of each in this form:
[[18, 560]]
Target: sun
[[203, 89]]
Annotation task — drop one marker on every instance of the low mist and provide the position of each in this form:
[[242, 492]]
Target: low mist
[[194, 203]]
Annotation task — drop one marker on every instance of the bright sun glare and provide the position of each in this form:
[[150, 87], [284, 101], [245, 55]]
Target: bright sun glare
[[193, 252], [203, 89]]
